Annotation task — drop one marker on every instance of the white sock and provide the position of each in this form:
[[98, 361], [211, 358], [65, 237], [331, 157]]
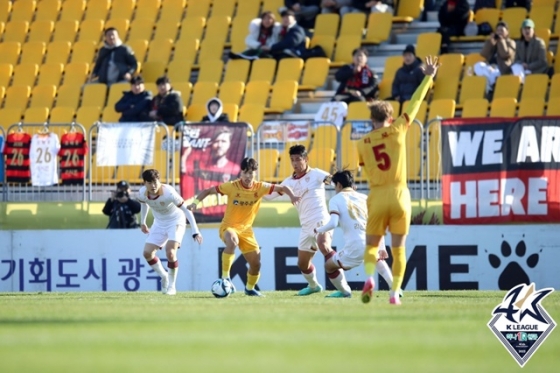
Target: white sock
[[172, 276], [340, 283], [159, 269], [311, 277], [385, 272]]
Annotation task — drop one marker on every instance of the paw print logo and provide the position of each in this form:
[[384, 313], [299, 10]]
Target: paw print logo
[[513, 273]]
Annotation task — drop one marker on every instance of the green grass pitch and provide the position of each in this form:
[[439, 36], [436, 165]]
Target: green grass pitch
[[194, 332]]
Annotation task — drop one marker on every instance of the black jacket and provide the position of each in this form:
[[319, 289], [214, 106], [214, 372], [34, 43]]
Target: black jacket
[[365, 82], [294, 40], [121, 215], [407, 79], [456, 19], [169, 108], [134, 108], [124, 59], [290, 3]]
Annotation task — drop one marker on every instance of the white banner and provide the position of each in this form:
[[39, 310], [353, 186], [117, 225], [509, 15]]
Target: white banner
[[124, 144], [439, 258]]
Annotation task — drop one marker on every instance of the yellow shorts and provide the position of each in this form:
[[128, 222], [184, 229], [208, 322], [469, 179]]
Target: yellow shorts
[[388, 207], [247, 241]]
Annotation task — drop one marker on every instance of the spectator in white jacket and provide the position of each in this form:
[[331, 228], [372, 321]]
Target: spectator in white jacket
[[263, 31]]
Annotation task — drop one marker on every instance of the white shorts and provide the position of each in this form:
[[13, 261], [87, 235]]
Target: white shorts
[[308, 238], [161, 233], [352, 255]]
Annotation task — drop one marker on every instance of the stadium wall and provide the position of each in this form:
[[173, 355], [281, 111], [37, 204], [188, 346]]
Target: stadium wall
[[439, 258]]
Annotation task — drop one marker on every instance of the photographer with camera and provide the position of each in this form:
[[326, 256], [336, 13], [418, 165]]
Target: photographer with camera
[[499, 52], [121, 209]]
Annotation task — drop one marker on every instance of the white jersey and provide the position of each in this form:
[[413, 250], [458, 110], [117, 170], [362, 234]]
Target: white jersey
[[165, 205], [43, 159], [333, 112], [311, 188], [351, 208]]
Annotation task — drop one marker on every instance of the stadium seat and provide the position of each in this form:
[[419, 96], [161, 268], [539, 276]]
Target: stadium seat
[[122, 9], [472, 87], [536, 3], [232, 110], [544, 34], [15, 31], [166, 30], [217, 29], [147, 10], [531, 107], [414, 152], [451, 66], [231, 92], [192, 28], [445, 88], [72, 10], [36, 115], [514, 17], [122, 25], [151, 86], [195, 112], [284, 166], [507, 86], [248, 8], [160, 50], [428, 44], [87, 116], [91, 29], [226, 8], [133, 174], [17, 96], [65, 30], [58, 52], [5, 9], [186, 50], [23, 10], [152, 70], [475, 108], [325, 137], [50, 74], [94, 95], [172, 11], [252, 114], [239, 31], [2, 27], [324, 41], [211, 71], [83, 51], [47, 10], [185, 88], [442, 108], [358, 111], [349, 151], [433, 133], [392, 64], [6, 71], [76, 73], [471, 59], [256, 93], [397, 109], [535, 86], [43, 96], [289, 69], [178, 71], [9, 52], [109, 115], [237, 70], [273, 6], [40, 31], [353, 24], [315, 73], [69, 94], [553, 107], [25, 74], [379, 28], [200, 8], [141, 29], [554, 91], [97, 10], [116, 92], [503, 107], [62, 114], [322, 158], [140, 48], [263, 70], [268, 162], [9, 116], [345, 44], [408, 10], [420, 115], [327, 24], [204, 91], [33, 52], [283, 96]]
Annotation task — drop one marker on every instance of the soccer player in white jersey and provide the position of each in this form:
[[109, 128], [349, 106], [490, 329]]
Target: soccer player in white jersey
[[309, 183], [168, 228], [348, 208]]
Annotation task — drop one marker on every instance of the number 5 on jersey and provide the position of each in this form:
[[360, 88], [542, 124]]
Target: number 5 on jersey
[[382, 158]]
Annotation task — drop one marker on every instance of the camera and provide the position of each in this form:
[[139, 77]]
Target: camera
[[497, 37], [121, 194]]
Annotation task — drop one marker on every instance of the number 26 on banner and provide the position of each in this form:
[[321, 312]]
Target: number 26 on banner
[[382, 158]]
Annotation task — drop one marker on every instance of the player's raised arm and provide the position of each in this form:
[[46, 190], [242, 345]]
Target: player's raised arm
[[283, 189], [429, 69], [200, 197]]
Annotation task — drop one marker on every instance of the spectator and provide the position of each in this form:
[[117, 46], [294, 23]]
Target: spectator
[[453, 16], [167, 106], [121, 209], [518, 3], [370, 6], [499, 52], [214, 108], [291, 41], [134, 105], [336, 6], [530, 52], [305, 11], [357, 81], [115, 62], [263, 31], [481, 4], [408, 77]]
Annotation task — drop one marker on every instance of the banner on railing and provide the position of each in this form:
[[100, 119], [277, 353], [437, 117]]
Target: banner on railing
[[281, 132], [211, 154], [120, 144], [501, 170]]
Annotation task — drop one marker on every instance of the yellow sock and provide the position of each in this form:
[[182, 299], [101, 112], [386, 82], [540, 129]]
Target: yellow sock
[[370, 259], [252, 280], [227, 262], [399, 266]]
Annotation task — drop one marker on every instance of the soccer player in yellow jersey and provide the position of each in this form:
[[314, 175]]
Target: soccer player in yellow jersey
[[244, 199], [382, 154]]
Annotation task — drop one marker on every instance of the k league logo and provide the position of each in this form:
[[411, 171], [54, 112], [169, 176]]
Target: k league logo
[[521, 323]]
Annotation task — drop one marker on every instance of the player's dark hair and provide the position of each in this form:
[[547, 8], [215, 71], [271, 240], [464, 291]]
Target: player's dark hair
[[298, 150], [150, 175], [249, 164], [109, 30], [344, 178]]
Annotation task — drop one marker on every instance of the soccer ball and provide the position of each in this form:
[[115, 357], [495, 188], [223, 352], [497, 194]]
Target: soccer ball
[[221, 288]]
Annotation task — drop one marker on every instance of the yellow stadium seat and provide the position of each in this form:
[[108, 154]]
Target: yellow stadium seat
[[47, 10], [554, 91], [345, 44], [65, 30], [421, 115], [263, 70], [9, 52], [17, 96], [25, 74], [204, 91], [141, 29], [273, 6], [97, 10], [133, 174], [446, 88], [237, 70], [433, 133], [428, 44], [543, 16], [116, 92], [87, 116], [166, 30], [489, 15], [50, 74], [232, 110], [358, 111], [379, 28], [58, 52], [91, 29], [94, 95], [289, 69], [69, 95], [475, 108], [315, 73], [535, 86], [76, 73], [185, 89], [62, 114], [353, 24], [195, 112], [248, 8], [538, 3], [231, 92], [443, 108], [284, 166], [151, 86], [140, 48], [553, 107], [252, 114], [109, 115], [2, 92], [217, 28], [122, 9], [414, 154], [325, 137], [16, 31], [83, 51], [36, 115], [6, 71], [507, 86], [322, 158], [40, 31], [147, 9], [2, 27], [225, 8], [160, 50], [472, 87], [283, 96], [408, 10], [451, 66], [327, 24], [503, 107], [324, 41], [73, 10], [514, 17], [544, 34], [9, 116], [211, 71], [471, 59], [349, 152], [122, 25], [6, 8], [172, 11], [268, 162], [192, 28], [43, 96], [199, 8], [239, 31], [23, 10], [392, 64], [186, 51], [531, 107], [256, 93], [33, 52], [178, 71], [153, 70]]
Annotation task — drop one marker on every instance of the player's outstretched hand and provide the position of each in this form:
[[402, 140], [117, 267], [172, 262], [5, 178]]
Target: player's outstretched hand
[[431, 66], [198, 238], [383, 254], [295, 200], [145, 228], [192, 206]]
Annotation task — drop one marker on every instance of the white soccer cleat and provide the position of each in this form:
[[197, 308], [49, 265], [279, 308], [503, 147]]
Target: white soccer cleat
[[164, 284], [171, 290]]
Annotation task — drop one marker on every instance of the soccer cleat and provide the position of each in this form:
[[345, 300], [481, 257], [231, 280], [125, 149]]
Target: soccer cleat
[[164, 284], [309, 290], [233, 289], [339, 294], [253, 293], [395, 300], [171, 290], [401, 293], [367, 291]]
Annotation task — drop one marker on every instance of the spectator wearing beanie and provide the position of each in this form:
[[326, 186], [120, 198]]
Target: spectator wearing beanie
[[408, 77]]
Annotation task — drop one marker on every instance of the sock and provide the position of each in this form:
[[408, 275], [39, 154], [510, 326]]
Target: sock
[[156, 266], [370, 259], [311, 276], [385, 272], [399, 266], [173, 268], [339, 281], [227, 262], [252, 280]]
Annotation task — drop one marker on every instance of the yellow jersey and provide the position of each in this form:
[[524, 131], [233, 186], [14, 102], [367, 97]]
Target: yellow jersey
[[382, 152], [243, 203]]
